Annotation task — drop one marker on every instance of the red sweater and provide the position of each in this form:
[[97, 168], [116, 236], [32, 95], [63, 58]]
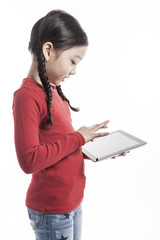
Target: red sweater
[[53, 154]]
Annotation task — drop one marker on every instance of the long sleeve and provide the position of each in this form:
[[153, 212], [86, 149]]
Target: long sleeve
[[32, 155], [86, 157]]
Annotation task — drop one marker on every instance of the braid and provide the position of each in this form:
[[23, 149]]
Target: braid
[[59, 90], [64, 32], [45, 82]]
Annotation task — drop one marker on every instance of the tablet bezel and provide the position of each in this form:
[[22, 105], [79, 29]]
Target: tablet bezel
[[139, 144]]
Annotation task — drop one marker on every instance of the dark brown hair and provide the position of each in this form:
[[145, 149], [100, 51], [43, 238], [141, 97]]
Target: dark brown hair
[[64, 32]]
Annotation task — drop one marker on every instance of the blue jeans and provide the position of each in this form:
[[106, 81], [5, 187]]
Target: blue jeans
[[66, 226]]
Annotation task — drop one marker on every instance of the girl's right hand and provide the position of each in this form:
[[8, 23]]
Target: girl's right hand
[[89, 133]]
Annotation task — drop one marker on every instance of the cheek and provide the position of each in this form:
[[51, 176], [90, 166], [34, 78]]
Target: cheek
[[64, 69], [49, 69], [52, 71], [57, 69]]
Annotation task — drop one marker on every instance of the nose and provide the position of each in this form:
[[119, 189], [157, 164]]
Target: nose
[[73, 71]]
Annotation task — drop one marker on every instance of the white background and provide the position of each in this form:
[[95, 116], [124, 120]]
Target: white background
[[117, 80]]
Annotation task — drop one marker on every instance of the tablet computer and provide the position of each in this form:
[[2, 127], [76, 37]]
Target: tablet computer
[[111, 145]]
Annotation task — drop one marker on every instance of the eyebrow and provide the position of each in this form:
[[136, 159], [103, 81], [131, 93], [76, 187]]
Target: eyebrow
[[78, 57]]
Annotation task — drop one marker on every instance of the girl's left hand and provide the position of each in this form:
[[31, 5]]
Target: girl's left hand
[[122, 154]]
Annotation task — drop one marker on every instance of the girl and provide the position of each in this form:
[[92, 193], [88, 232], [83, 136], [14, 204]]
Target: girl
[[47, 146]]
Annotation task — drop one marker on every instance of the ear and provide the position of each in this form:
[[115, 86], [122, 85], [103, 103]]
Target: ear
[[47, 50]]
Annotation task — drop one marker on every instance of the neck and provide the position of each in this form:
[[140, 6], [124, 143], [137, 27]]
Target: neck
[[33, 73]]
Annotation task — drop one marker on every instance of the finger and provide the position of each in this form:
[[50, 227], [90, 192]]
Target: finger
[[98, 126], [113, 157], [101, 134], [122, 154]]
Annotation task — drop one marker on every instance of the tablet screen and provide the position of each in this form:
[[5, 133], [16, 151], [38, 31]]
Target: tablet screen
[[112, 144]]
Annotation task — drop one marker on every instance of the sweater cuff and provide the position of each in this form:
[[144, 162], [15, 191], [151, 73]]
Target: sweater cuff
[[81, 138]]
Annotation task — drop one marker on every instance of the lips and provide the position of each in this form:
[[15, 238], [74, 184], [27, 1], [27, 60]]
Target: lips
[[63, 79]]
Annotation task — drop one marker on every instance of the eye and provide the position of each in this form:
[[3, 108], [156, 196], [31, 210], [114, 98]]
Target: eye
[[73, 62]]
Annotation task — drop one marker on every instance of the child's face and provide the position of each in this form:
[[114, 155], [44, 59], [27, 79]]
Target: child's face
[[61, 67]]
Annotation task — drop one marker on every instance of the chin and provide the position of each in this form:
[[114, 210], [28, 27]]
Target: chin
[[59, 83], [56, 83]]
